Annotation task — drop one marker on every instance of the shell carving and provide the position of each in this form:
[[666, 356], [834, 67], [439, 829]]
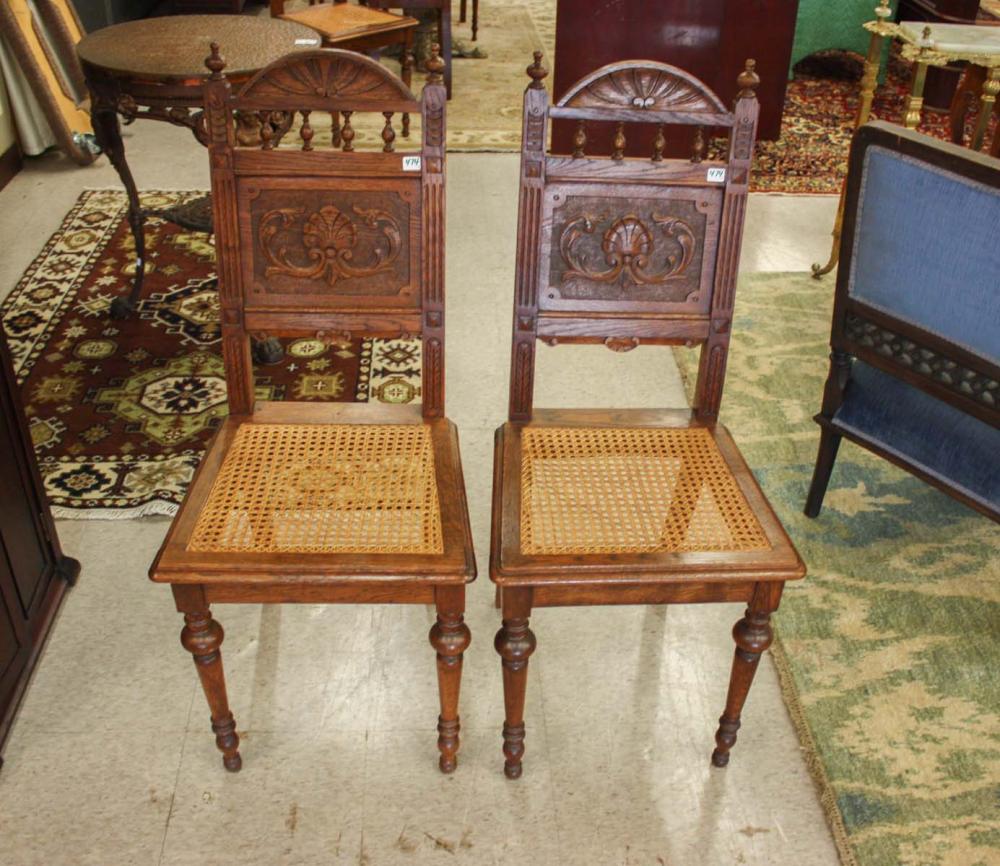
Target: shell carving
[[329, 239], [646, 88], [628, 246]]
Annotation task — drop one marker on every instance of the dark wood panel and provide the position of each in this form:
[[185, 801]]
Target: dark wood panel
[[708, 38], [33, 572]]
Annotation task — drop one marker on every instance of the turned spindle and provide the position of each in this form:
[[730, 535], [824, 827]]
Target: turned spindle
[[306, 132], [347, 132], [698, 148], [618, 143], [579, 140], [388, 133], [659, 143]]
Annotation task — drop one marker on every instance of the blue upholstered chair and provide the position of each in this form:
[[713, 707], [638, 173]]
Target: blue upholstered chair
[[914, 373]]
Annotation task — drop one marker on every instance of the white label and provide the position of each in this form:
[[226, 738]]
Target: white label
[[307, 42], [716, 175], [411, 163]]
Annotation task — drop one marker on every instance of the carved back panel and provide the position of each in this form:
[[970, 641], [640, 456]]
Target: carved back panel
[[628, 251], [324, 236]]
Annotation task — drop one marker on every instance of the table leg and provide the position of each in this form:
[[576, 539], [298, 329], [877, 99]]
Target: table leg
[[406, 73], [987, 99], [107, 131], [869, 81], [915, 101]]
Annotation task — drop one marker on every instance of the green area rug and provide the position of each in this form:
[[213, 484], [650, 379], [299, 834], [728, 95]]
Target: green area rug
[[889, 650]]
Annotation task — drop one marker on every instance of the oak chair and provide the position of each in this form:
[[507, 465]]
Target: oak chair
[[915, 347], [321, 502], [355, 27], [630, 506]]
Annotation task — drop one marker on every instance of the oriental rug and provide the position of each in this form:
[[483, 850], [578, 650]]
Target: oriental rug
[[120, 411], [888, 650]]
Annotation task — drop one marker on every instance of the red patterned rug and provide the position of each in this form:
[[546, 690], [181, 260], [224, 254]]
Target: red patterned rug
[[816, 131], [120, 411]]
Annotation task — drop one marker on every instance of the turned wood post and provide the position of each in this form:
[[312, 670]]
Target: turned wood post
[[515, 643], [753, 635], [450, 637], [202, 637]]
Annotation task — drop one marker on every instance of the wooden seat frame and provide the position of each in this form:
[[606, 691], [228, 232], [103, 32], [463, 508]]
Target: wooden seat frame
[[246, 181], [628, 92]]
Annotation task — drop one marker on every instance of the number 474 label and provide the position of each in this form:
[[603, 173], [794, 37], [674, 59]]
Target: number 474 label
[[411, 163], [716, 175]]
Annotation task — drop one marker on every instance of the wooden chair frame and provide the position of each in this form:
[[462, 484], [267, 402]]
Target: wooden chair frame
[[621, 93], [243, 175]]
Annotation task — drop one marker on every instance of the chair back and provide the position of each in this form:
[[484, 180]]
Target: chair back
[[918, 290], [627, 251], [326, 241]]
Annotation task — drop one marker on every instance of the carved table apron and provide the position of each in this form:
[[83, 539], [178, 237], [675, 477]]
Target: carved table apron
[[154, 69]]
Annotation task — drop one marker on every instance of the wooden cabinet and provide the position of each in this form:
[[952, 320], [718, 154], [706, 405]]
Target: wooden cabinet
[[709, 38], [33, 571]]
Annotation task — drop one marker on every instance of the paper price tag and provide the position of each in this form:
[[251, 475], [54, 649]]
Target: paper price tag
[[307, 42], [716, 175], [411, 163]]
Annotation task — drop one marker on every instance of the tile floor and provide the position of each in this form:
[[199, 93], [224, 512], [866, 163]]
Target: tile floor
[[111, 760]]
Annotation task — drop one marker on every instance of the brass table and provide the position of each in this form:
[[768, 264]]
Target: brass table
[[924, 45], [154, 69]]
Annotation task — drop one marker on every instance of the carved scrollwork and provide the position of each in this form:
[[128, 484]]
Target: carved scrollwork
[[194, 120], [924, 361], [329, 239], [628, 245]]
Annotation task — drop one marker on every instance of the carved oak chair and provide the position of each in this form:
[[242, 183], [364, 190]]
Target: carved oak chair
[[915, 342], [630, 506], [325, 503]]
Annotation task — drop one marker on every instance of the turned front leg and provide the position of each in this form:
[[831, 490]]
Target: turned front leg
[[202, 637], [450, 637], [515, 643], [753, 635]]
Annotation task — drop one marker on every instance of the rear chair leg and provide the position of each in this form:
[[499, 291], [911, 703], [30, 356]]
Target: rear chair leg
[[202, 637], [515, 643], [829, 443], [450, 637], [753, 635]]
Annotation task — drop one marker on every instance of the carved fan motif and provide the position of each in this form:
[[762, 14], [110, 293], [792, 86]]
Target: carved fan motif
[[329, 239], [627, 245], [643, 88], [326, 77]]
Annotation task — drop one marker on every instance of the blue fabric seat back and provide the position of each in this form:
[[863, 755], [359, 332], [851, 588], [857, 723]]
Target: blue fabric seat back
[[927, 250]]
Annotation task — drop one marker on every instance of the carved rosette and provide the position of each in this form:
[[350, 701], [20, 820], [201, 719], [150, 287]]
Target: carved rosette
[[329, 239]]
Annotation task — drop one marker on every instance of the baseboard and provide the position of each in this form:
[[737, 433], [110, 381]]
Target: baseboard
[[10, 164]]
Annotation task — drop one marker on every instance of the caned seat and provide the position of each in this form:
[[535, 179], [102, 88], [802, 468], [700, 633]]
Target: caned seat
[[315, 491], [620, 506], [325, 502]]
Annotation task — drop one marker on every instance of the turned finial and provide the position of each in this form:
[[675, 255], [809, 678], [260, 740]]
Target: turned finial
[[883, 10], [435, 65], [215, 62], [537, 72], [748, 80]]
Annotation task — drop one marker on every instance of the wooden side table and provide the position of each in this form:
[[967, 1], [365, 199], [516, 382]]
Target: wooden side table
[[154, 69], [925, 45]]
